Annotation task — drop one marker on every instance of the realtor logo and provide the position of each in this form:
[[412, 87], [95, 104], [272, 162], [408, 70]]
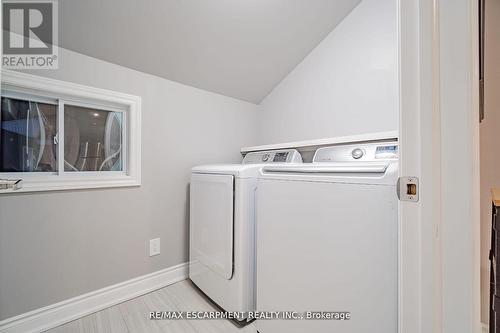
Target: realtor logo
[[29, 34]]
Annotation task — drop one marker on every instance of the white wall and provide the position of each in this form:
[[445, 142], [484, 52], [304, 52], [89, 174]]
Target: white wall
[[490, 138], [56, 245], [347, 85]]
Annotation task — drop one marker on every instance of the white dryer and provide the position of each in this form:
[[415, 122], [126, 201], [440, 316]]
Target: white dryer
[[327, 240], [222, 228]]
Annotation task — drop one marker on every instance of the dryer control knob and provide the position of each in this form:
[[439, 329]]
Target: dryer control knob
[[357, 153], [265, 157]]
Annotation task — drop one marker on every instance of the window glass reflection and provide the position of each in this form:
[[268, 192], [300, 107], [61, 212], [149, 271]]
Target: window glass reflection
[[92, 139], [27, 131]]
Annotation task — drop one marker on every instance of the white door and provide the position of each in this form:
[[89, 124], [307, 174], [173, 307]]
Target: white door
[[211, 223], [438, 143]]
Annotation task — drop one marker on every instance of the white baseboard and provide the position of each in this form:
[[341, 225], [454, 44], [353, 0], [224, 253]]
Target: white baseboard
[[60, 313], [485, 328]]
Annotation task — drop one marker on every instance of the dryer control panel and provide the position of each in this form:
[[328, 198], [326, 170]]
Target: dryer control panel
[[273, 156], [358, 152]]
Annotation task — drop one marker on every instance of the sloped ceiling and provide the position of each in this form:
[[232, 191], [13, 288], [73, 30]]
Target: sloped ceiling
[[238, 48]]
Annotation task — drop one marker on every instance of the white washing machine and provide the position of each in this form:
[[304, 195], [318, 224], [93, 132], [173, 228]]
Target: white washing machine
[[327, 240], [222, 228]]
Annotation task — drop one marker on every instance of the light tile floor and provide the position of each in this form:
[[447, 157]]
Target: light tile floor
[[133, 316]]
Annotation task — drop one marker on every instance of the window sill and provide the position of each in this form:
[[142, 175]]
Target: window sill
[[73, 183]]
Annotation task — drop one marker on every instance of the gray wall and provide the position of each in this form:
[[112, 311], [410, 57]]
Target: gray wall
[[347, 85], [57, 245]]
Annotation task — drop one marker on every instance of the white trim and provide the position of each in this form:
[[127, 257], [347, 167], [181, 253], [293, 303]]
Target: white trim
[[92, 105], [31, 97], [60, 139], [459, 89], [77, 94], [390, 135], [485, 328], [411, 318], [63, 312], [439, 143], [66, 90]]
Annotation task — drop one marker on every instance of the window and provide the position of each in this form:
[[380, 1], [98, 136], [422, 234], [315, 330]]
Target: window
[[92, 139], [26, 136], [56, 135]]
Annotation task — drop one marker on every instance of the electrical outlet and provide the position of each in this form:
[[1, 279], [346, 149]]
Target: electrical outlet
[[154, 247]]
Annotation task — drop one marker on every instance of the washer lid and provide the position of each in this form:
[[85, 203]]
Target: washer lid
[[252, 163], [330, 168], [371, 172], [237, 170]]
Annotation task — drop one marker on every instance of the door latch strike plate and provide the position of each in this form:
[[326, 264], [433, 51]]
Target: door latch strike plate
[[408, 189]]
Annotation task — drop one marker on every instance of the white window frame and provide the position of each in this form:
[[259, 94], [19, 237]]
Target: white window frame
[[60, 93]]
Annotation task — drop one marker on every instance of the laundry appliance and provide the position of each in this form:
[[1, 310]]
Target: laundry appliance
[[222, 228], [327, 241]]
